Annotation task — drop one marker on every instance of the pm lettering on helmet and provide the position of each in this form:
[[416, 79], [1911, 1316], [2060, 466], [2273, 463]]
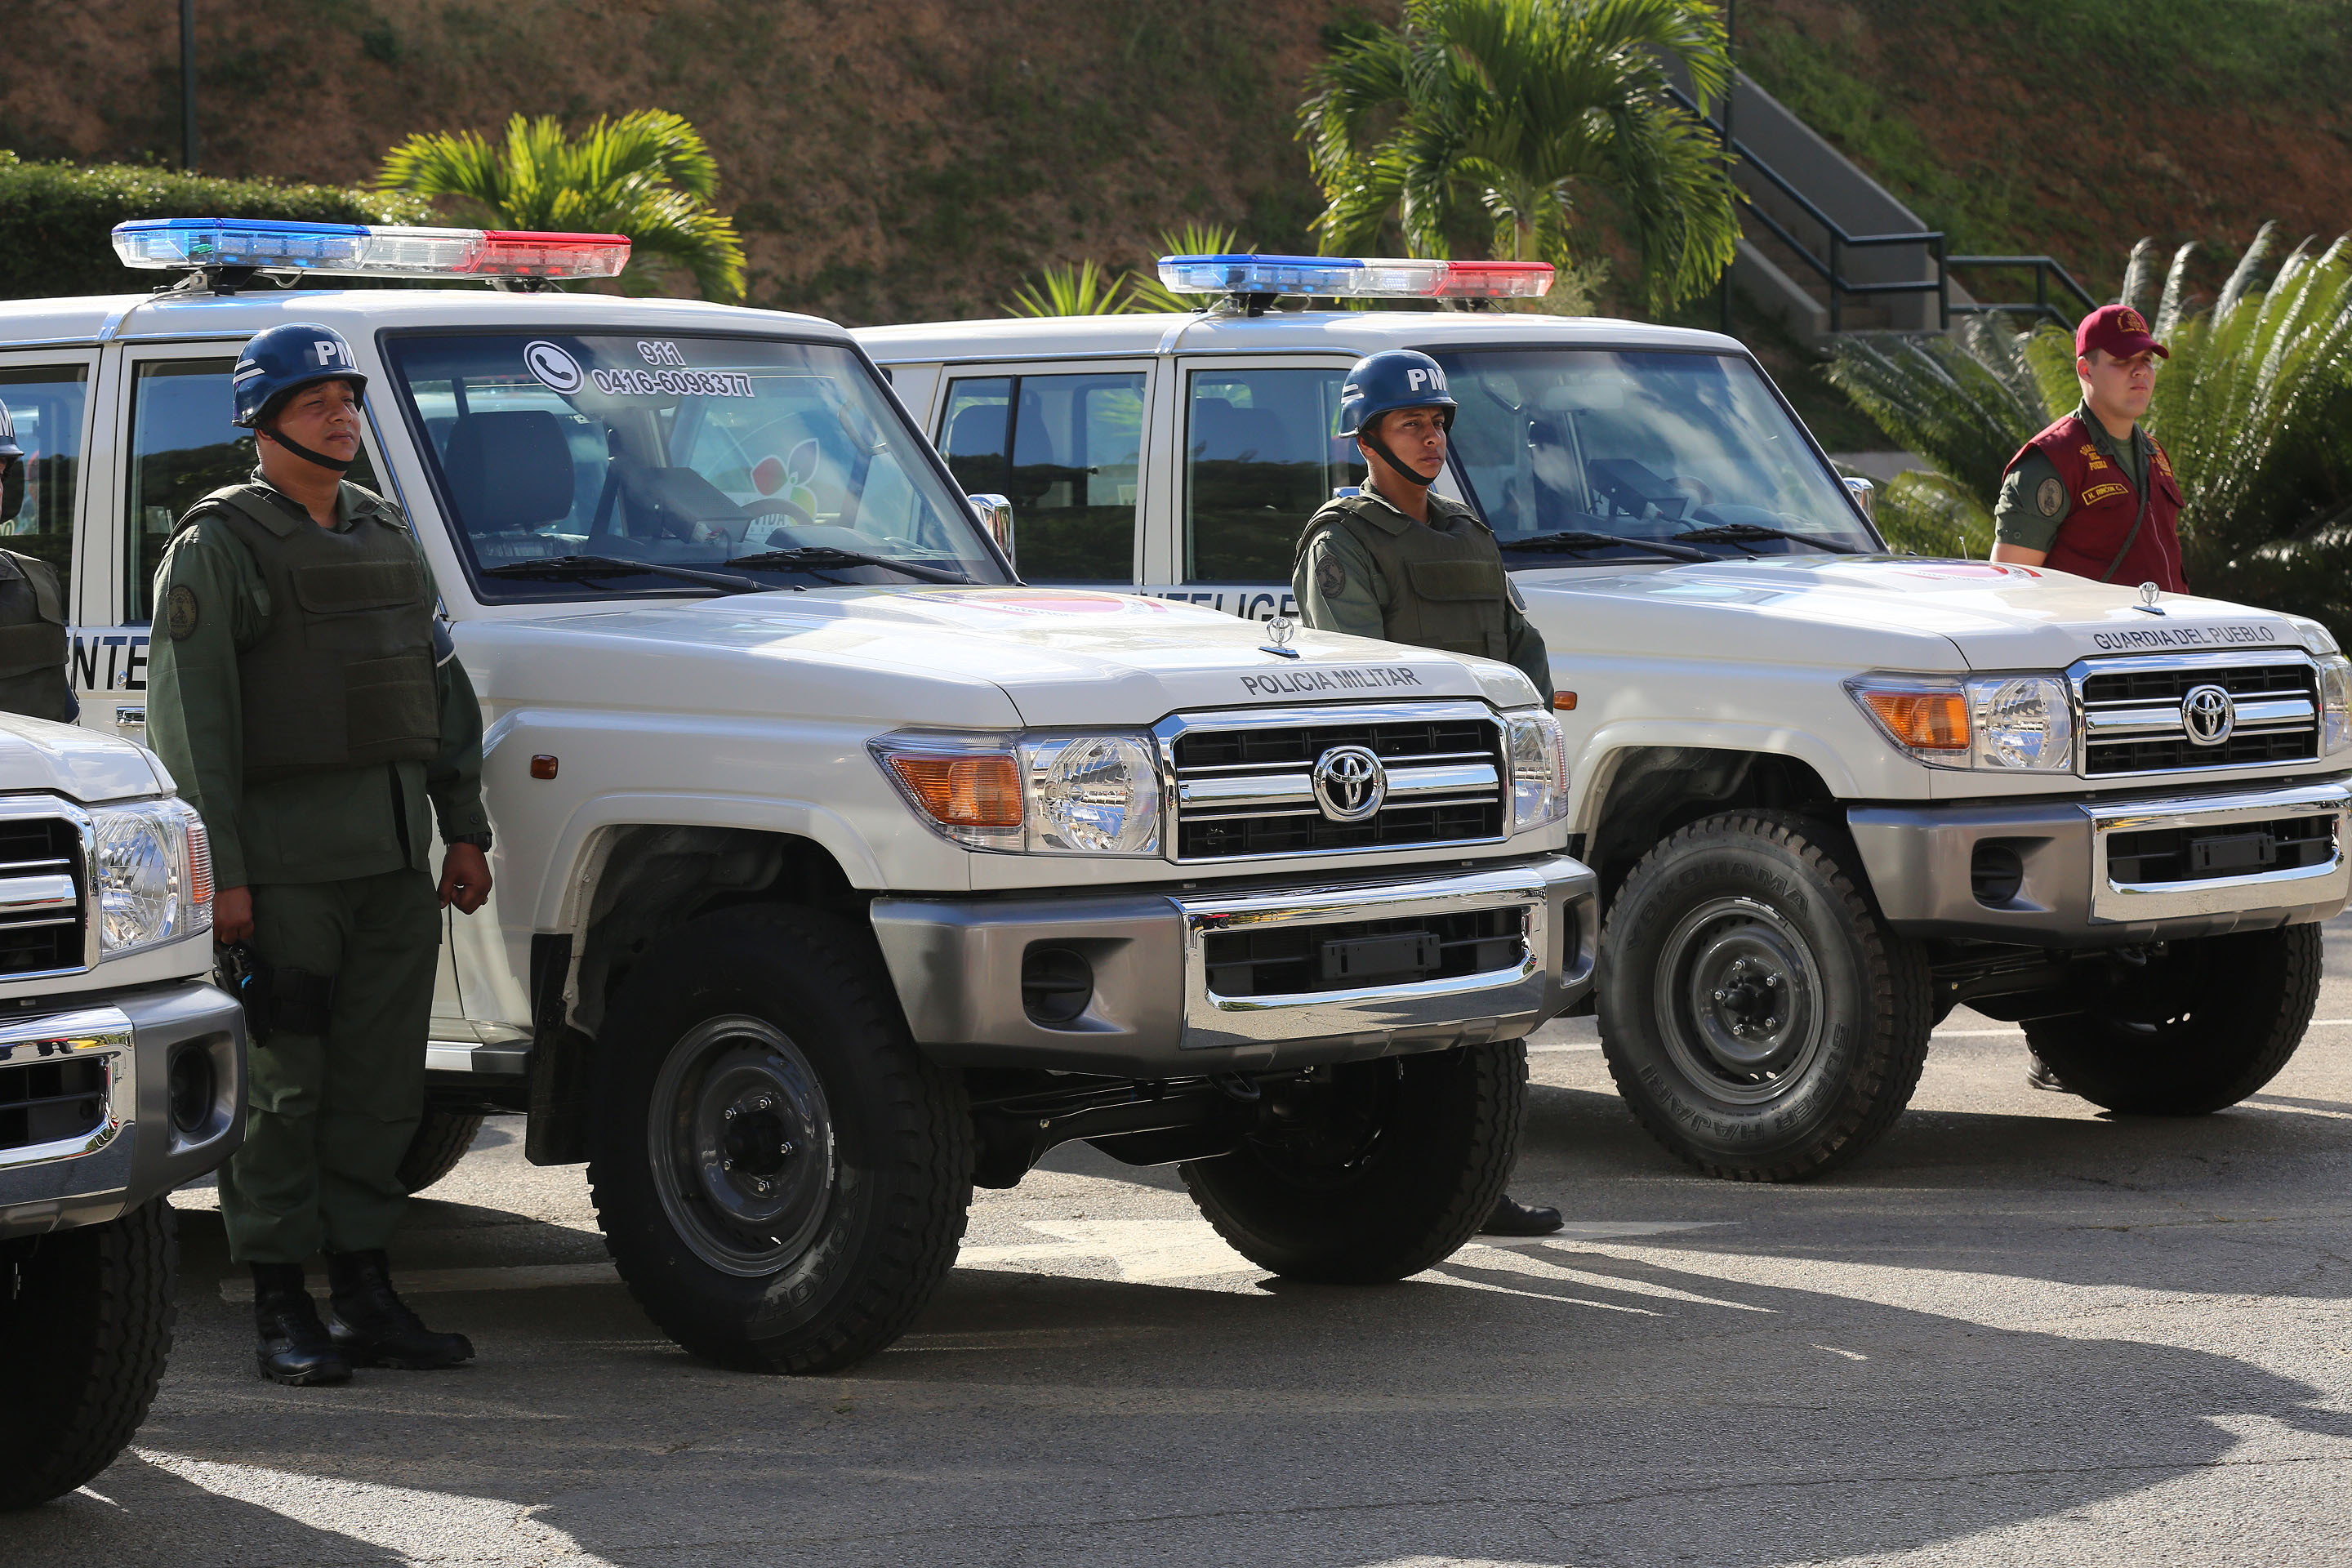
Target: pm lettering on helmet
[[331, 351], [1415, 380]]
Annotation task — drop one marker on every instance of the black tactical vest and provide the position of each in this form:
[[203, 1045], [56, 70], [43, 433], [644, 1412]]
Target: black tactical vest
[[341, 674], [1446, 590], [33, 640]]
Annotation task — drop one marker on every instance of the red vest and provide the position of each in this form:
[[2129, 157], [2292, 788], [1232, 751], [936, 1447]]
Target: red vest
[[2105, 508]]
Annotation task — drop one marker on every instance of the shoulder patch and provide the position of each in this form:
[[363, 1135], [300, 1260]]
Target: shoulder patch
[[2050, 497], [1330, 573], [180, 612], [1511, 587]]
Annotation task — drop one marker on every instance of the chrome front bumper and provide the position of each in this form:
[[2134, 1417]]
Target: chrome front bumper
[[134, 1152], [1921, 861], [1154, 1012]]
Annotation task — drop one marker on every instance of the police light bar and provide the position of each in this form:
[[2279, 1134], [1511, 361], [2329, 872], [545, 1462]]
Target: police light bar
[[1346, 278], [374, 250]]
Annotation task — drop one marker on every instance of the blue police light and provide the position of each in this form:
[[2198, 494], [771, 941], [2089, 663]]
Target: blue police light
[[1355, 278], [381, 250]]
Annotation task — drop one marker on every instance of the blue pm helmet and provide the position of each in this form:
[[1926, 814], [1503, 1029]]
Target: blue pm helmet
[[281, 359], [1392, 379]]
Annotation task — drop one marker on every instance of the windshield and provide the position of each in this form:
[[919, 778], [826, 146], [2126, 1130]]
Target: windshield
[[1645, 447], [580, 467]]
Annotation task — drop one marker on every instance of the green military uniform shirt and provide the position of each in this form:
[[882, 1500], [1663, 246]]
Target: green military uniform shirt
[[2034, 502], [1339, 589], [314, 826]]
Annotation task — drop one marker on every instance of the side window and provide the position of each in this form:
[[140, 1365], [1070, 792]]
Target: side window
[[182, 448], [1066, 449], [47, 403], [1260, 457]]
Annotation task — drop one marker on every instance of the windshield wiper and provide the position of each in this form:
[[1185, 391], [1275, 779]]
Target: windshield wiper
[[584, 568], [1578, 540], [809, 555], [1741, 532]]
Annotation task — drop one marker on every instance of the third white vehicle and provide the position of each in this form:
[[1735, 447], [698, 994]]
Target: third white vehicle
[[1831, 793]]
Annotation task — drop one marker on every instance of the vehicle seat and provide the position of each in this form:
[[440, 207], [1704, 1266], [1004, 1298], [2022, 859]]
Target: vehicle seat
[[509, 472]]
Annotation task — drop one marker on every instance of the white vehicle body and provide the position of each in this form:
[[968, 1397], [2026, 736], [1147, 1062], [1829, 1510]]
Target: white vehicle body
[[1698, 687], [1748, 656]]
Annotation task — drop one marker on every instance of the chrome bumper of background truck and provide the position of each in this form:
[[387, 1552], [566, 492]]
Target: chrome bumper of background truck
[[1928, 867], [134, 1151], [1155, 1013]]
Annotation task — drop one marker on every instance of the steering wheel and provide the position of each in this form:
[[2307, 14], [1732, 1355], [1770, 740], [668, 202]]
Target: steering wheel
[[770, 506]]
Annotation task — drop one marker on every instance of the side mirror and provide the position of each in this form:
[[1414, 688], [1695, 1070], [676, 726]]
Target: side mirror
[[995, 514], [1865, 494]]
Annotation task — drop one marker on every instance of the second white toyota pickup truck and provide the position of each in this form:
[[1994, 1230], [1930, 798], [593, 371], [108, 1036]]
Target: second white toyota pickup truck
[[1830, 793]]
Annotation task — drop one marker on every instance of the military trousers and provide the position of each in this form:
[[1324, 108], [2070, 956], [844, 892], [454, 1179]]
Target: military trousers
[[329, 1116]]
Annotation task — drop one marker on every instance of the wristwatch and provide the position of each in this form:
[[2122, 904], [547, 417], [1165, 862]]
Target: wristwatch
[[480, 841]]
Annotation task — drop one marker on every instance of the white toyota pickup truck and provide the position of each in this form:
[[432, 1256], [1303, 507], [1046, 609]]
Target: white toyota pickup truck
[[122, 1077], [835, 869], [1831, 793]]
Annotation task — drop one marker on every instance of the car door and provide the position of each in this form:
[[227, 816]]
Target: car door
[[51, 394], [1066, 443], [1252, 452]]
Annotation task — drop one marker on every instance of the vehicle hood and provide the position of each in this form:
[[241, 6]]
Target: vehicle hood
[[84, 765], [971, 656], [1886, 613]]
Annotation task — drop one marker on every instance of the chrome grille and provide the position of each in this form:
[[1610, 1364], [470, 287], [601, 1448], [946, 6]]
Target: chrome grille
[[42, 915], [46, 1101], [2132, 712], [1243, 782]]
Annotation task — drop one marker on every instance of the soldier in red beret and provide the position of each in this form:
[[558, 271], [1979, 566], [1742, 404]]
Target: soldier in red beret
[[2093, 494]]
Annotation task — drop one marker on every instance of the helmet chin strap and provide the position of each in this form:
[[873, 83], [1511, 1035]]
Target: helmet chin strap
[[340, 464], [1381, 448]]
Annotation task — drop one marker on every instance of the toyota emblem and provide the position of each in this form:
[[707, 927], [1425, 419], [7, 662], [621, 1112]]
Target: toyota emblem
[[1349, 784], [2208, 715]]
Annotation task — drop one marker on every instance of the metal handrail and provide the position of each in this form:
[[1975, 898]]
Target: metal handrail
[[2044, 269], [1933, 240]]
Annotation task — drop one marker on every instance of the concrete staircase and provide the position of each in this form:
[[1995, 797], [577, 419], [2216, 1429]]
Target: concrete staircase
[[1828, 250]]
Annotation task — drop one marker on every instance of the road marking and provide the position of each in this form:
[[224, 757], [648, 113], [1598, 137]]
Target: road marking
[[1145, 1251], [1539, 1050], [433, 1281], [1850, 1355]]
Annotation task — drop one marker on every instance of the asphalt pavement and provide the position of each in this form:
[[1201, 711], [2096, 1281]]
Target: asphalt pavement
[[2017, 1332]]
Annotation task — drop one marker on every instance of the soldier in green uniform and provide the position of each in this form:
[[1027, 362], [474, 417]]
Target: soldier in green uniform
[[32, 609], [308, 703], [1399, 562]]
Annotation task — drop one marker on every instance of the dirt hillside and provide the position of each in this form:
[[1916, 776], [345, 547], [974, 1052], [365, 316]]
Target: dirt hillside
[[886, 162]]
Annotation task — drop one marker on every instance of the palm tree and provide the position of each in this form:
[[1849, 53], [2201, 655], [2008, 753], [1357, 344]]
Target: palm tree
[[1087, 288], [1521, 122], [647, 175], [2254, 409]]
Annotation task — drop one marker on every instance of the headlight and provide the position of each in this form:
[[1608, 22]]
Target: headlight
[[1047, 795], [153, 876], [1538, 771], [2334, 704], [2010, 722], [1092, 795]]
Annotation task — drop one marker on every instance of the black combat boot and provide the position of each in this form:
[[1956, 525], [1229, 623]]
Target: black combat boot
[[1512, 1218], [2041, 1075], [372, 1325], [295, 1346]]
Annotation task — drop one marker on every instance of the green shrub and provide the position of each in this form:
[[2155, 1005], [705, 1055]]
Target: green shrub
[[55, 218]]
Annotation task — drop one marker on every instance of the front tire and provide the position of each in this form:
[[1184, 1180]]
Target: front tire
[[85, 1328], [1759, 1018], [442, 1138], [1385, 1167], [2188, 1028], [781, 1177]]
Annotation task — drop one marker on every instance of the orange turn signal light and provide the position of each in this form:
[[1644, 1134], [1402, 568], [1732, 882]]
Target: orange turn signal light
[[1923, 720], [542, 767], [1564, 701], [965, 791]]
